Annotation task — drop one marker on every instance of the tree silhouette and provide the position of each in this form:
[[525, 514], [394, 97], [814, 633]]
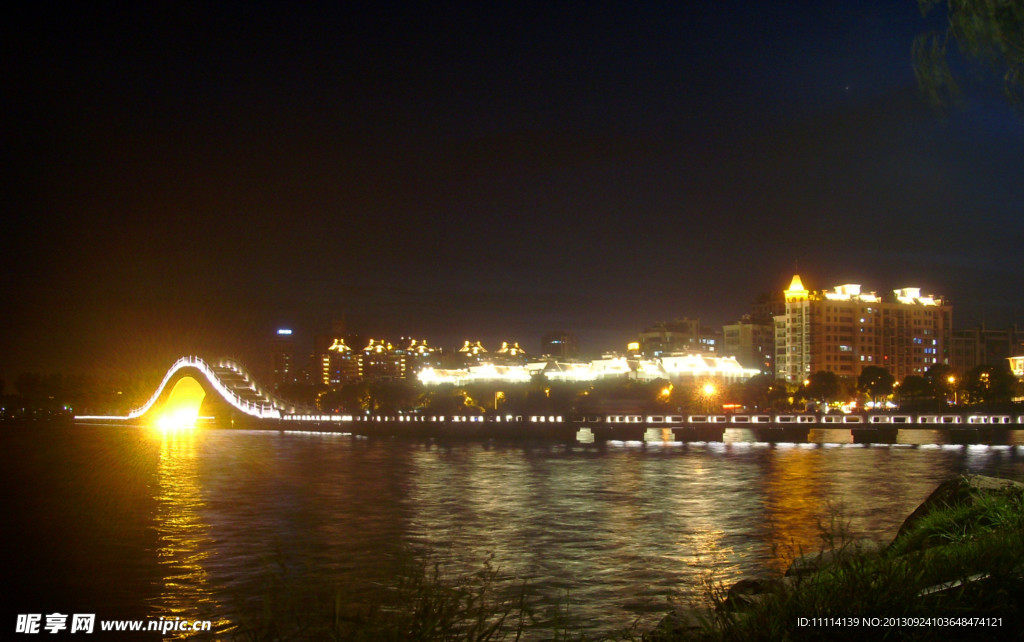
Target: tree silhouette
[[990, 384], [876, 381], [988, 32], [822, 386], [913, 388]]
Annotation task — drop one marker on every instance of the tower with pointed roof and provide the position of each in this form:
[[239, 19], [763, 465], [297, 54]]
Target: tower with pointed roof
[[847, 329]]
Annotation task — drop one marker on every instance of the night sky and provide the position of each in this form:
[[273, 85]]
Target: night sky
[[188, 176]]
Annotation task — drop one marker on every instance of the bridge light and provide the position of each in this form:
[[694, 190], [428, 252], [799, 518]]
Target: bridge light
[[181, 410]]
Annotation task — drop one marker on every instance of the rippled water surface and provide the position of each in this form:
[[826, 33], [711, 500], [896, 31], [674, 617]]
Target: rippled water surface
[[236, 526]]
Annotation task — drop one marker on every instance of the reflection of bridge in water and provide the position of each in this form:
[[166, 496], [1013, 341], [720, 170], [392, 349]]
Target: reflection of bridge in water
[[250, 404]]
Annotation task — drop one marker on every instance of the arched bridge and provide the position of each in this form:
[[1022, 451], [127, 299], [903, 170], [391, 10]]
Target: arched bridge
[[190, 380], [228, 378]]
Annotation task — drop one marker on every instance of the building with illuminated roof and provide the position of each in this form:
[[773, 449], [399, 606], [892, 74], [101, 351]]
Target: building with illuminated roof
[[472, 352], [509, 354], [418, 355], [341, 364], [282, 357], [380, 361], [845, 330]]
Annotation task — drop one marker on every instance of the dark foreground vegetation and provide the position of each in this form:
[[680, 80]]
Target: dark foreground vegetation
[[427, 602], [954, 571]]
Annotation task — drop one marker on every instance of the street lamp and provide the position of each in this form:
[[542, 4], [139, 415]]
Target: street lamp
[[952, 384], [708, 392]]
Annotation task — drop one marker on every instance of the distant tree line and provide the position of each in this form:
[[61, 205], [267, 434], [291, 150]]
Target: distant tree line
[[989, 386], [56, 395]]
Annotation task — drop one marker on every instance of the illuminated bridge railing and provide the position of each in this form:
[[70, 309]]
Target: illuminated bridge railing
[[260, 410]]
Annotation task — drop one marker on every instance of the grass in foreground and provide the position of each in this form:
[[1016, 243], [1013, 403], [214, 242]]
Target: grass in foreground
[[965, 560]]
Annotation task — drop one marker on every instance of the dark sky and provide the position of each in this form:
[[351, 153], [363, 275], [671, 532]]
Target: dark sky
[[189, 176]]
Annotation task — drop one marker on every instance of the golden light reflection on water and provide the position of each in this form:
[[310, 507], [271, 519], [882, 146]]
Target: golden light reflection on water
[[702, 546], [795, 485], [184, 540], [181, 410], [611, 530], [581, 532]]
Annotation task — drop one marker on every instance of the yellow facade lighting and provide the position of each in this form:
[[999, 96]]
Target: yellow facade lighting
[[796, 289]]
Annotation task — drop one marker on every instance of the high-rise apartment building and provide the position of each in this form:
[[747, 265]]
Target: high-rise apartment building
[[560, 344], [282, 357], [752, 341], [677, 337], [380, 361], [342, 364], [417, 355], [845, 330], [983, 346]]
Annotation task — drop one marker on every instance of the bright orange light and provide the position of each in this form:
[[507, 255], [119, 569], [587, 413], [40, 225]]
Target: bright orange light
[[181, 409], [709, 389]]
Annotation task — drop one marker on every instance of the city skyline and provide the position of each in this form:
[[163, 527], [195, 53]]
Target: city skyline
[[904, 330], [187, 179], [312, 334]]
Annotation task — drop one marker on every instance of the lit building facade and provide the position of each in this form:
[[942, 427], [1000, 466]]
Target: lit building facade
[[1017, 367], [845, 330], [673, 368], [380, 361], [342, 364], [696, 366], [418, 355]]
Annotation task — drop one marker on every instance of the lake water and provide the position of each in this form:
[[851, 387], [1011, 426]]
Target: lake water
[[243, 526]]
